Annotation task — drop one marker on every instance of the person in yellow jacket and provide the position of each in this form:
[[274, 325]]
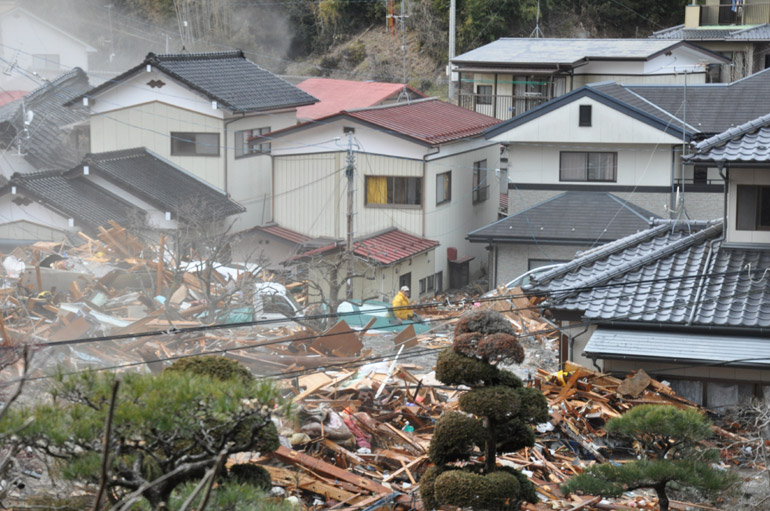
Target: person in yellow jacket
[[400, 305]]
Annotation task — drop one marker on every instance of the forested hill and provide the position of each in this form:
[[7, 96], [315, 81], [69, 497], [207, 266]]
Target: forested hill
[[342, 38]]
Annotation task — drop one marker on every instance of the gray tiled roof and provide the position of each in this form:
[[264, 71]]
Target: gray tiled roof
[[710, 108], [749, 142], [228, 78], [48, 145], [574, 217], [161, 183], [725, 33], [86, 202], [654, 276], [540, 51]]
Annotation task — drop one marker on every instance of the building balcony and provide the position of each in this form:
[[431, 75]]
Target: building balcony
[[750, 13], [501, 106]]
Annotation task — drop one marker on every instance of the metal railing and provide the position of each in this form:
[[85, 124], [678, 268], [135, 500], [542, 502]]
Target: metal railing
[[723, 14], [502, 107], [698, 181]]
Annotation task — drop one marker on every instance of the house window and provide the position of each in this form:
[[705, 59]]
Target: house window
[[483, 94], [404, 191], [45, 61], [585, 115], [480, 186], [580, 166], [432, 283], [405, 280], [700, 175], [194, 144], [250, 142], [753, 211], [443, 187]]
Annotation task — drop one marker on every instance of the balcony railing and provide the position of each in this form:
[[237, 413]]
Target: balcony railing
[[723, 14], [502, 107]]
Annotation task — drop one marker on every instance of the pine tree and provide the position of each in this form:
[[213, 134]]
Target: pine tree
[[669, 439], [498, 413]]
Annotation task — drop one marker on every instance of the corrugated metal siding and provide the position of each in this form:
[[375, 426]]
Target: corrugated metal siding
[[307, 193]]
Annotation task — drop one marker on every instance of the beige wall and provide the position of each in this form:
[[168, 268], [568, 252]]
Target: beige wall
[[511, 260], [150, 125]]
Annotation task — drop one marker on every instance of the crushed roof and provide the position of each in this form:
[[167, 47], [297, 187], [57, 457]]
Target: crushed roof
[[525, 50], [48, 145], [161, 183], [228, 78], [654, 276], [573, 217], [80, 199], [338, 95]]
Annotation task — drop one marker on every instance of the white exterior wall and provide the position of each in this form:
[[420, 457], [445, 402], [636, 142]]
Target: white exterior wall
[[250, 177], [155, 218], [24, 36], [638, 165], [450, 223], [651, 79], [33, 221], [513, 259], [744, 177]]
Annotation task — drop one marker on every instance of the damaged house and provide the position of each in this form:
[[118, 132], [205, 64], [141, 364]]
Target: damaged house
[[687, 301]]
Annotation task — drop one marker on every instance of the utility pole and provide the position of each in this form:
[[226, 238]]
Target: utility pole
[[351, 166], [452, 42]]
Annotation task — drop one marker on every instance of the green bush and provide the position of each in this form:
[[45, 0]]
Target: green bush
[[491, 492], [484, 322], [498, 402], [455, 369], [455, 437], [213, 366], [254, 475]]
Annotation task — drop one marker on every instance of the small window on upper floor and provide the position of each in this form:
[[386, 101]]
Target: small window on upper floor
[[443, 187], [250, 142], [585, 115], [753, 209], [480, 185], [194, 144]]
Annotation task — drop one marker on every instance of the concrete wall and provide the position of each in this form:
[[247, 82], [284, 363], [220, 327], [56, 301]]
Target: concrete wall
[[513, 259]]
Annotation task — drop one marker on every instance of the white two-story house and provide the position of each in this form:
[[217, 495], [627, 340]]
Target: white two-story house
[[202, 112]]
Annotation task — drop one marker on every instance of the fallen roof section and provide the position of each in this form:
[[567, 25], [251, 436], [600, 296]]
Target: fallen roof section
[[571, 218]]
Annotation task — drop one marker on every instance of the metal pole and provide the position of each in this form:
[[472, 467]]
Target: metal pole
[[349, 242], [452, 40]]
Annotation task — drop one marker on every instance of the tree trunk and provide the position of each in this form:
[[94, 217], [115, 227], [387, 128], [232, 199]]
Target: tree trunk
[[491, 447], [662, 497]]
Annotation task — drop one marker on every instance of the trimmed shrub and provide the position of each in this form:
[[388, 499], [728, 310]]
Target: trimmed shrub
[[213, 366], [484, 322], [497, 491], [254, 475], [455, 437], [497, 402]]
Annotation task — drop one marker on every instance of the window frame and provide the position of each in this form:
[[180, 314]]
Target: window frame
[[391, 192], [479, 192], [448, 197], [248, 145], [484, 98], [587, 167], [585, 116], [184, 136], [757, 201]]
